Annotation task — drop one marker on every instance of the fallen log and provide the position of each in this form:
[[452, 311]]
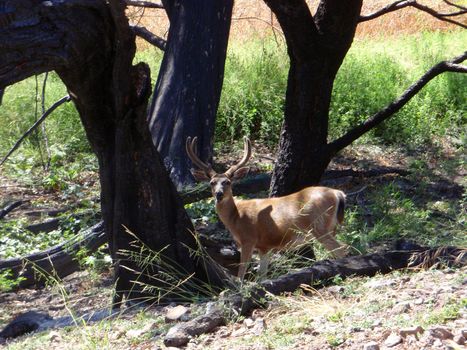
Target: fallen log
[[58, 261], [318, 275], [9, 208]]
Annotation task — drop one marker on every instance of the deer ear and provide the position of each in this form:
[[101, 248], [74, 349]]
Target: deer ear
[[240, 173], [200, 175]]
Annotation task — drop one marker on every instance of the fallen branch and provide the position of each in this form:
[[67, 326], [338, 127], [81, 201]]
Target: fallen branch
[[35, 125], [318, 275], [9, 208], [58, 261]]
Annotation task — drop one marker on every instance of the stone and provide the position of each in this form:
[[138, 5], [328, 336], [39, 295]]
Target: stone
[[259, 326], [248, 322], [415, 331], [371, 346], [54, 336], [441, 333], [176, 313], [464, 333], [401, 308], [459, 339], [393, 340]]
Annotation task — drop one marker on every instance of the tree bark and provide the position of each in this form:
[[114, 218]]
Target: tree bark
[[195, 55], [316, 46], [90, 45]]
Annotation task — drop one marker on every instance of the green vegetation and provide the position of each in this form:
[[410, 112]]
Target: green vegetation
[[373, 74]]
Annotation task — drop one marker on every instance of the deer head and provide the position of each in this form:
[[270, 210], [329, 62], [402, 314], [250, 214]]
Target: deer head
[[221, 184]]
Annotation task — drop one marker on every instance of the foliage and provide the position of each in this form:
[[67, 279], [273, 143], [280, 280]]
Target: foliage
[[8, 282], [375, 72], [253, 95], [393, 215]]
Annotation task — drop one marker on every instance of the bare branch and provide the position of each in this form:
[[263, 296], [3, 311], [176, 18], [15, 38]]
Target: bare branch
[[413, 3], [443, 66], [35, 125], [455, 5], [145, 4], [150, 37]]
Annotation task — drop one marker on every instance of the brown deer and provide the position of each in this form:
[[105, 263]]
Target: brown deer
[[272, 223]]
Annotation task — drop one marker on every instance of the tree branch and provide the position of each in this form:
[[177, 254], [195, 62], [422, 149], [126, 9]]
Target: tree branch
[[35, 125], [444, 66], [145, 4], [413, 3], [150, 37]]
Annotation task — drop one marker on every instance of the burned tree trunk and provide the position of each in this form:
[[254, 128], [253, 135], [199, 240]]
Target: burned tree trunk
[[195, 55], [91, 47], [317, 46]]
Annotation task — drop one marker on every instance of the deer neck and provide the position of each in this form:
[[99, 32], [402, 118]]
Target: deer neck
[[227, 211]]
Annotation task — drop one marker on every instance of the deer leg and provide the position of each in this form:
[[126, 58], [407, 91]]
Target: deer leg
[[245, 257], [263, 264], [337, 249]]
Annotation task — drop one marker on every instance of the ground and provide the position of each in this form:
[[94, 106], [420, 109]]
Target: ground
[[347, 315]]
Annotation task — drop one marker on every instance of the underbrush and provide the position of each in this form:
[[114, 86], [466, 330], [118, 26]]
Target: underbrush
[[374, 73]]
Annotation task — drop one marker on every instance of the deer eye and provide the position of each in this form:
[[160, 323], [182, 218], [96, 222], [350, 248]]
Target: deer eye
[[225, 182]]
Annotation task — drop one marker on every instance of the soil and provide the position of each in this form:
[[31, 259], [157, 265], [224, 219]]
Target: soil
[[347, 316]]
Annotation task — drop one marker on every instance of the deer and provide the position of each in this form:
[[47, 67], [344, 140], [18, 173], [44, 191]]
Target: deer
[[271, 224]]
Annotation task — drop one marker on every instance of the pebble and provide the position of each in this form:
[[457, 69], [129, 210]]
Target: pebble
[[371, 346], [441, 333], [176, 313], [459, 339], [393, 340], [415, 331]]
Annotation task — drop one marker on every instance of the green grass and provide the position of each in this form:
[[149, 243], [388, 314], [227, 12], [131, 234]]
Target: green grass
[[372, 75]]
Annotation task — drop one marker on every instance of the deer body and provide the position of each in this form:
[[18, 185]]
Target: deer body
[[272, 223]]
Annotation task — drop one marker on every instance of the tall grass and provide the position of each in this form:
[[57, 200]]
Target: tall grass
[[372, 75]]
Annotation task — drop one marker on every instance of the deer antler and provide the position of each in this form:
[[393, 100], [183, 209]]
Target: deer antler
[[244, 160], [191, 150]]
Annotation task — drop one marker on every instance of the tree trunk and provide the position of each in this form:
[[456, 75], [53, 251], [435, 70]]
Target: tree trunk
[[316, 46], [195, 55], [91, 47], [1, 96]]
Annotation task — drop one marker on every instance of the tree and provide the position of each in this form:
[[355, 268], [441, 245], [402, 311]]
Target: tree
[[317, 45], [195, 55], [91, 47]]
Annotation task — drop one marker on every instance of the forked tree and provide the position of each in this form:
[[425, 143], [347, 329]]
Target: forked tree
[[91, 47], [317, 45]]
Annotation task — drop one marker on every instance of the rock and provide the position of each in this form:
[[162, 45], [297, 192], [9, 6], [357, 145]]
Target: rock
[[401, 308], [371, 346], [376, 323], [335, 289], [441, 333], [176, 313], [415, 331], [134, 333], [248, 322], [54, 336], [418, 301], [377, 284], [239, 332], [464, 333], [459, 339], [392, 340], [259, 326]]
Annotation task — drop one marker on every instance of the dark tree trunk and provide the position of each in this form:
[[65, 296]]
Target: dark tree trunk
[[1, 96], [91, 47], [317, 46], [195, 55]]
